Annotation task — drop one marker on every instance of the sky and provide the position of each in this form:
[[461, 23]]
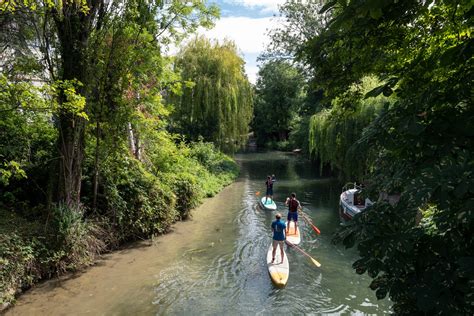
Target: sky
[[246, 22]]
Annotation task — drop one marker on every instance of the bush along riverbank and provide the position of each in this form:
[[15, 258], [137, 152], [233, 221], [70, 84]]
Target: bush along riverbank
[[136, 199]]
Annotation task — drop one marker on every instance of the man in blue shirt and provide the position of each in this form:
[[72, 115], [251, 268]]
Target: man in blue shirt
[[278, 228]]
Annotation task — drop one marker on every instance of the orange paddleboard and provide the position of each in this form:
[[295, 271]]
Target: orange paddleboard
[[291, 236]]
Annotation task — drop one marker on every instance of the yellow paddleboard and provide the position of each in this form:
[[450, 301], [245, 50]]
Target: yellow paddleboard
[[279, 271]]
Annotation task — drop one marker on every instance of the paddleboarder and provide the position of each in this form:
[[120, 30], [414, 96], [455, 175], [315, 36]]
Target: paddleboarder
[[269, 192], [293, 206], [278, 229]]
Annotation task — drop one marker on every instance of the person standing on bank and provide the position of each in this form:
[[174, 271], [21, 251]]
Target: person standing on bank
[[293, 207], [278, 228], [269, 185]]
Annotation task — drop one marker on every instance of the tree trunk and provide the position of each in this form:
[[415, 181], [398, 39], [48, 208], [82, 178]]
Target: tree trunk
[[74, 29], [96, 166]]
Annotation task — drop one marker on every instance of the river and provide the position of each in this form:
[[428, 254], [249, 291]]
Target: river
[[214, 264]]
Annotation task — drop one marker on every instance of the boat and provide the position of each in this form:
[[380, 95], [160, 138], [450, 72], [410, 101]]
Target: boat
[[291, 236], [351, 202], [269, 204], [279, 271]]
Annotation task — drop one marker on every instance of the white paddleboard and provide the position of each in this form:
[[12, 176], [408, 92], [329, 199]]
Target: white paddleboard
[[279, 271], [291, 236], [269, 205]]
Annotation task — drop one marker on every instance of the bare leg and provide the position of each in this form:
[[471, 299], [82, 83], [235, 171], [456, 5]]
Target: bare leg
[[282, 253], [296, 225], [273, 253]]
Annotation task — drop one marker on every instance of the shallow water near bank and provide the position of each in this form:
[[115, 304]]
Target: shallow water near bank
[[214, 264]]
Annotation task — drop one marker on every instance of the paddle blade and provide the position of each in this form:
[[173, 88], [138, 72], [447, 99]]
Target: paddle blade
[[316, 263], [257, 193], [316, 229]]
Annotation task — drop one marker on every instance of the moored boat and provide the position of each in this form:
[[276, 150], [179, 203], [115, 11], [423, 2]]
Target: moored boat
[[351, 202]]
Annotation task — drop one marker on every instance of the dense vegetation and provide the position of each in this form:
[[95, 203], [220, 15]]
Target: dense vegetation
[[396, 113], [88, 159], [218, 105], [278, 99]]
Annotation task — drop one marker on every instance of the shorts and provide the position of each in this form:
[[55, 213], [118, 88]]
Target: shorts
[[278, 242], [269, 192], [292, 216]]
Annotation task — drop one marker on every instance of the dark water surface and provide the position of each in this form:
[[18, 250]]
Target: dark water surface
[[215, 263]]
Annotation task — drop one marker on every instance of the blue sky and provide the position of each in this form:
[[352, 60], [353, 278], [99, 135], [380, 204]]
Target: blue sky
[[246, 22]]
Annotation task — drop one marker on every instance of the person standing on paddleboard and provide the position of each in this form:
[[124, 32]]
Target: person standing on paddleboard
[[293, 207], [269, 185], [278, 228]]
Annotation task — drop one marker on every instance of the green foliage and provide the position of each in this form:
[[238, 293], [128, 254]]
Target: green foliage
[[279, 95], [33, 250], [334, 132], [27, 137], [16, 262], [212, 159], [82, 114], [218, 104], [72, 242], [188, 192], [137, 202], [418, 251]]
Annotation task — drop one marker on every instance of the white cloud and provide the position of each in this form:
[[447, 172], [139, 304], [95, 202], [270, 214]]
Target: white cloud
[[267, 5], [251, 72], [249, 34]]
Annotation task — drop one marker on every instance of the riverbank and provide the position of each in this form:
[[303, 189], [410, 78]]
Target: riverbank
[[127, 273], [37, 243]]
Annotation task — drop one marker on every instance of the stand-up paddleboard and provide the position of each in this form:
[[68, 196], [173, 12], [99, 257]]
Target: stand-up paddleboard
[[279, 271], [269, 204], [291, 236]]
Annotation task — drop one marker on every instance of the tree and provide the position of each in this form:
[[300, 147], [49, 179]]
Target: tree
[[72, 31], [334, 132], [279, 94], [418, 251], [217, 100], [300, 22]]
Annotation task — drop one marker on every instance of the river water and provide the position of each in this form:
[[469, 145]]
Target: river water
[[215, 263]]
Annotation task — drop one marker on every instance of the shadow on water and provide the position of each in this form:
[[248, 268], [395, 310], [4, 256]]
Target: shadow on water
[[215, 263]]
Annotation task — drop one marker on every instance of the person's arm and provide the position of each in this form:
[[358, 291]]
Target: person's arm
[[287, 200]]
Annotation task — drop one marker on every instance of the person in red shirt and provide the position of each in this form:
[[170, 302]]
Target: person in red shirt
[[293, 206]]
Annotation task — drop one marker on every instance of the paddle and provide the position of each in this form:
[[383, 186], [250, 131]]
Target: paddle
[[316, 230], [316, 263]]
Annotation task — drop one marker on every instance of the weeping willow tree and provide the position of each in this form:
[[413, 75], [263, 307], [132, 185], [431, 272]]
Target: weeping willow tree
[[334, 132], [217, 101]]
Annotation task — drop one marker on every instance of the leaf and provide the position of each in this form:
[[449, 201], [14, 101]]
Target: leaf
[[381, 293], [414, 127], [376, 13], [461, 189], [349, 240], [374, 92], [327, 6]]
